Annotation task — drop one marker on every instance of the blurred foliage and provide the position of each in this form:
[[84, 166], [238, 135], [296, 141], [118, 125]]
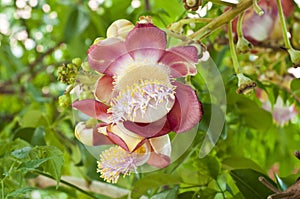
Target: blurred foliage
[[37, 135]]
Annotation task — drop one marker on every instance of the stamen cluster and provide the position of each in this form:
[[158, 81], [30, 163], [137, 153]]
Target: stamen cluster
[[116, 161], [138, 98]]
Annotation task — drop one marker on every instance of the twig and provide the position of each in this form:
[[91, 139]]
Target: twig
[[86, 187], [147, 5], [68, 184], [268, 184], [222, 20], [280, 195]]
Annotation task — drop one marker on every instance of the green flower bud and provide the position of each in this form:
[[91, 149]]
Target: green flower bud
[[295, 56], [86, 66], [77, 61], [245, 84], [64, 100], [257, 8], [243, 45]]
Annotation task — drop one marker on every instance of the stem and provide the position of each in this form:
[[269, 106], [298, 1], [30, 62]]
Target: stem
[[268, 184], [257, 8], [222, 20], [147, 5], [225, 3], [287, 43], [195, 20], [239, 25], [68, 184], [281, 195], [236, 65]]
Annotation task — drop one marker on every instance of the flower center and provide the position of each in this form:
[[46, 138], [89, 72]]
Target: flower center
[[136, 72], [146, 101], [116, 161], [143, 93]]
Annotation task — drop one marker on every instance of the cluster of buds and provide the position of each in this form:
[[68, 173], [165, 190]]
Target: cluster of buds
[[67, 72], [192, 4], [64, 100]]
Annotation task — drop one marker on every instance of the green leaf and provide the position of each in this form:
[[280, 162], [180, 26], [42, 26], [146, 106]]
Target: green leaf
[[169, 194], [153, 181], [33, 118], [186, 195], [238, 196], [199, 171], [77, 22], [247, 182], [295, 87], [38, 137], [233, 163], [208, 165], [32, 164], [252, 115], [55, 160], [21, 153], [207, 193], [21, 191], [35, 136]]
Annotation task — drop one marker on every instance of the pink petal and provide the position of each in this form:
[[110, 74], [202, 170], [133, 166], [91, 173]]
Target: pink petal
[[90, 136], [124, 138], [187, 110], [146, 41], [92, 108], [117, 140], [159, 160], [161, 151], [104, 88], [148, 130], [181, 60], [108, 55], [99, 138]]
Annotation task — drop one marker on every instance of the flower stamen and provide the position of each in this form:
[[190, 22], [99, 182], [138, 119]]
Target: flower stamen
[[116, 161], [135, 100]]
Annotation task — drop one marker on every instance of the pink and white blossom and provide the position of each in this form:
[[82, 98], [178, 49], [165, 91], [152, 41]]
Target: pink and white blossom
[[137, 98]]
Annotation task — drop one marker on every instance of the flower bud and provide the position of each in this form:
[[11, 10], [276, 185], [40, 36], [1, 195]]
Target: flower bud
[[119, 28], [77, 61], [64, 100], [243, 45], [192, 4], [67, 73], [176, 27], [295, 56], [245, 84]]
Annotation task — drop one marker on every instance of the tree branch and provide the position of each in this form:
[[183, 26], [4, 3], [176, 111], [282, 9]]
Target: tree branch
[[222, 20]]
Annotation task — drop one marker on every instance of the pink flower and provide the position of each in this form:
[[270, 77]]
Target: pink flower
[[267, 26], [137, 98], [282, 113]]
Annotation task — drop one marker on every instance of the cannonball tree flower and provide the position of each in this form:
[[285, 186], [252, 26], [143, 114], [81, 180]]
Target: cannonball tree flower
[[137, 97], [114, 160], [266, 27], [282, 113]]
